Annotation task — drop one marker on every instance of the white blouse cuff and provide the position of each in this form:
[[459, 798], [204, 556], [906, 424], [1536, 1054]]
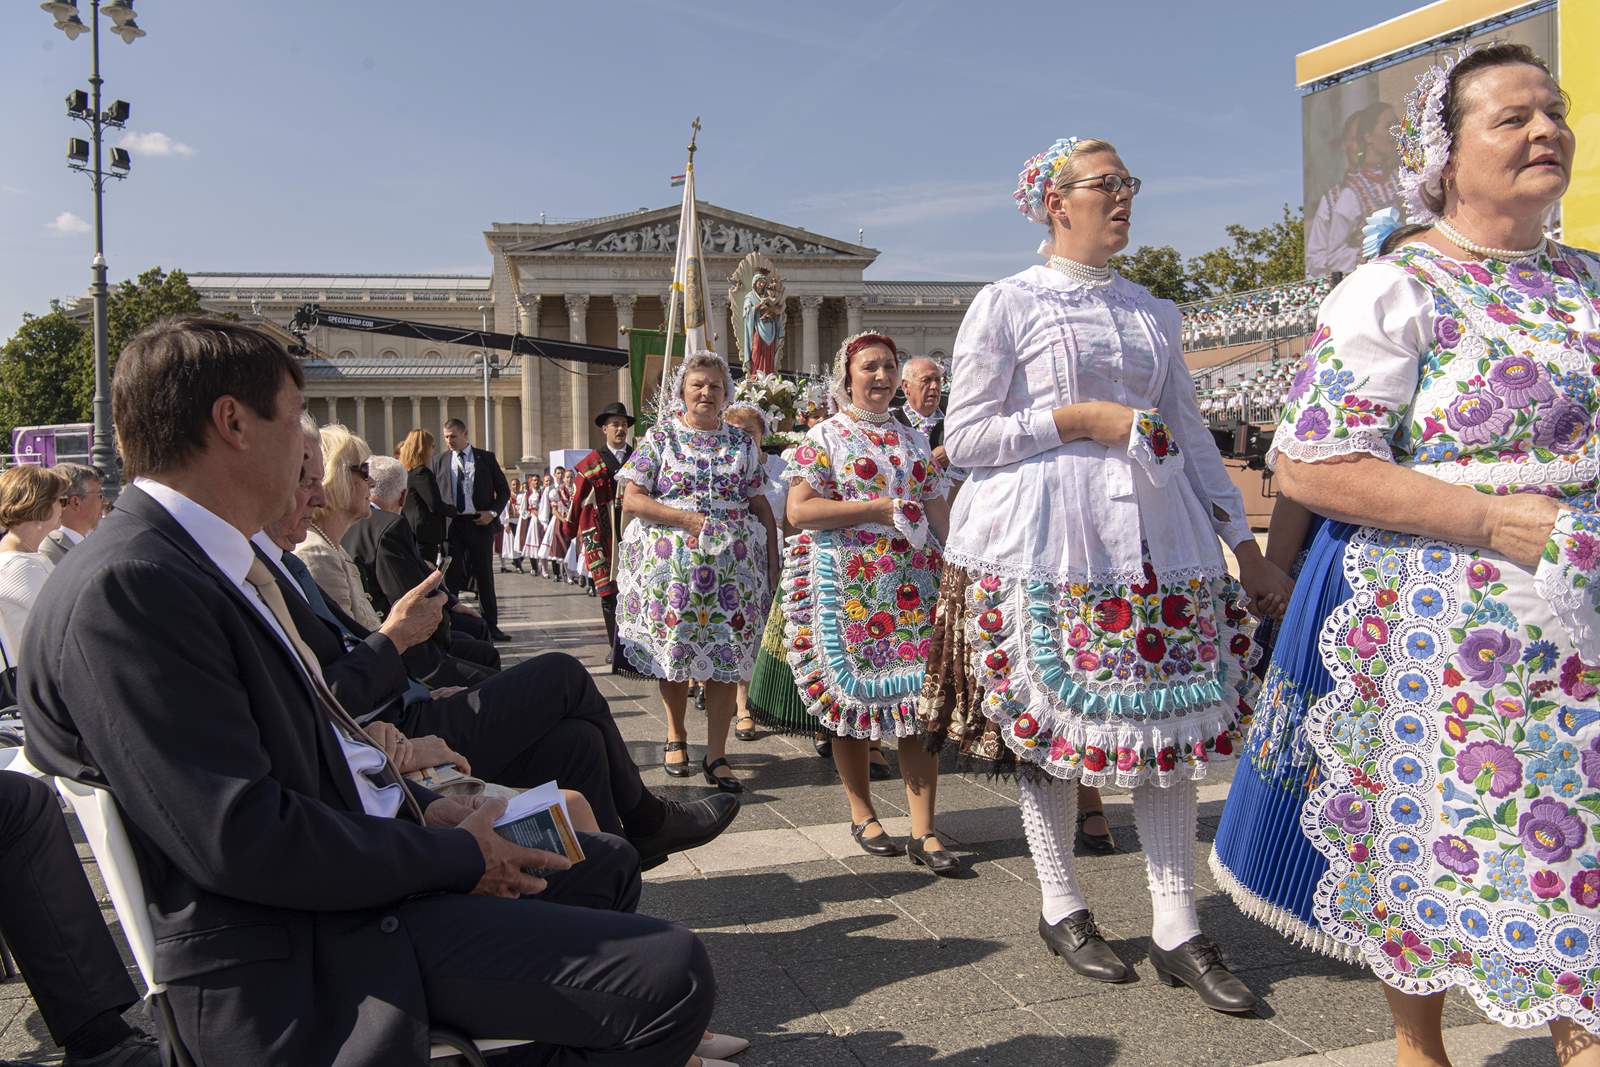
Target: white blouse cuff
[[1043, 428], [1368, 442]]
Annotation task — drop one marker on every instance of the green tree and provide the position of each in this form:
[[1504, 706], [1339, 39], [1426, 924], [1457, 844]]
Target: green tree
[[35, 366], [1160, 269], [132, 306], [1272, 255]]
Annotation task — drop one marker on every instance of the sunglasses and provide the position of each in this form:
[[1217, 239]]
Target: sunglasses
[[1110, 184], [359, 468]]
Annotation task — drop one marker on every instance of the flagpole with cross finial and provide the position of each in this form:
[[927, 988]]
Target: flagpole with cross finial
[[675, 304]]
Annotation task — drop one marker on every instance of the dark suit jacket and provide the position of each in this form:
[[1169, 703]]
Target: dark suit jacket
[[425, 509], [490, 490], [391, 564], [935, 439], [149, 671]]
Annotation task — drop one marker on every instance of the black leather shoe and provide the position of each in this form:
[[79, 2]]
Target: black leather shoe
[[876, 770], [1099, 844], [823, 745], [135, 1050], [1197, 963], [685, 826], [498, 635], [882, 845], [940, 862], [746, 733], [678, 770], [1077, 941], [725, 782]]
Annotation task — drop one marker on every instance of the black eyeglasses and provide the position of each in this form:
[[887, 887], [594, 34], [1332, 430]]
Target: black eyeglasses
[[359, 468], [1110, 184]]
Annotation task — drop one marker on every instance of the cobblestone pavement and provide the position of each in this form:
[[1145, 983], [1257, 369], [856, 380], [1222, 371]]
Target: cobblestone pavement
[[827, 956]]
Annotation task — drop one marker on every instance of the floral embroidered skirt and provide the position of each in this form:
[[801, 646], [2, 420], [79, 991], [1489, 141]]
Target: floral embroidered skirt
[[774, 701], [1110, 684], [858, 609], [1261, 859], [684, 613], [1461, 803]]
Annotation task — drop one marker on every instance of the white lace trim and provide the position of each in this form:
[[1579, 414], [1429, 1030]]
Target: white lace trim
[[1369, 442], [1577, 608], [1279, 919], [977, 565], [1532, 472]]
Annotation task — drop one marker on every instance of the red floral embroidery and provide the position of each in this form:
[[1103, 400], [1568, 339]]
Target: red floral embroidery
[[1114, 614]]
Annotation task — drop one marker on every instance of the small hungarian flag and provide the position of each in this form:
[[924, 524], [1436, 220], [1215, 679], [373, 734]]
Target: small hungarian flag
[[678, 179]]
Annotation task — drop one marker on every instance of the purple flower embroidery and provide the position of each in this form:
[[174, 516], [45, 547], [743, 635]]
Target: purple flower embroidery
[[1446, 331], [1590, 761], [1456, 854], [1478, 274], [728, 597], [1583, 551], [1546, 884], [1312, 425], [1302, 380], [704, 578], [677, 596], [663, 548], [1480, 572], [1505, 773], [1550, 830], [740, 550], [1585, 888], [1349, 813], [1562, 427], [1478, 417], [1520, 380], [1530, 280], [1485, 655]]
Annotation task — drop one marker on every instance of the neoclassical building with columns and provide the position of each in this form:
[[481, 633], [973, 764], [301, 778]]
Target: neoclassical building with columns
[[585, 280]]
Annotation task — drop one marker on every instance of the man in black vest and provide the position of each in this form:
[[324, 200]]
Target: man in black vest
[[308, 905], [471, 480]]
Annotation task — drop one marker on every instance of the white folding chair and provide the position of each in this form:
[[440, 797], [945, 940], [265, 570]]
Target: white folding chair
[[108, 839]]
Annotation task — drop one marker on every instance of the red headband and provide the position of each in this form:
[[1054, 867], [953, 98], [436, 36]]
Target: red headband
[[867, 341]]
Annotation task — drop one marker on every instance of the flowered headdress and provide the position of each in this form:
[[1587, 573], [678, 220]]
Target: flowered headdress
[[1423, 140], [1036, 178], [746, 405], [840, 382], [670, 403]]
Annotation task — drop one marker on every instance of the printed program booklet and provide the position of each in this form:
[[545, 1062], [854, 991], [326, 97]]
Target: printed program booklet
[[537, 818]]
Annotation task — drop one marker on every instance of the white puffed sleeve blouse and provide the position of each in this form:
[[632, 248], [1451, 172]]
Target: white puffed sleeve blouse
[[1037, 508]]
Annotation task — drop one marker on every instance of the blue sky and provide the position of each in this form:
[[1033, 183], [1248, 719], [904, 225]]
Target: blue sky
[[325, 135]]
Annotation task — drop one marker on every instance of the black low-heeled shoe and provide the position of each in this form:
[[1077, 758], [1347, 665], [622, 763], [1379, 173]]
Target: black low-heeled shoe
[[945, 864], [1076, 939], [879, 772], [882, 845], [727, 783], [677, 770], [1198, 964], [1100, 844], [747, 733], [823, 745]]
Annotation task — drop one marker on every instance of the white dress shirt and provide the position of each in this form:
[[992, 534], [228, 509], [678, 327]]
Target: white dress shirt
[[73, 536], [463, 468], [230, 551]]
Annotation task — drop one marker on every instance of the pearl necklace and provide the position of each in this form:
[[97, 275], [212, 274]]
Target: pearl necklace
[[876, 418], [1457, 238], [1083, 272]]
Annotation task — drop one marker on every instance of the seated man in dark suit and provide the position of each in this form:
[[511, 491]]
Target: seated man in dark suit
[[539, 721], [386, 554], [309, 906]]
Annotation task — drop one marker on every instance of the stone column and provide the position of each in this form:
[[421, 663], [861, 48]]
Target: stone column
[[416, 416], [532, 396], [388, 426], [333, 410], [722, 344], [472, 421], [625, 304], [361, 418], [444, 413], [578, 332], [852, 314], [499, 423], [810, 335]]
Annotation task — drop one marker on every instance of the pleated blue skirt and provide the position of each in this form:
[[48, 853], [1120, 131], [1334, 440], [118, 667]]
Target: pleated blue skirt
[[1261, 859]]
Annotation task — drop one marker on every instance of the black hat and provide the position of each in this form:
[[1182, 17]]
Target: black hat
[[612, 410]]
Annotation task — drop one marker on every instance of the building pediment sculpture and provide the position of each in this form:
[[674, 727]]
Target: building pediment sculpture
[[755, 293], [717, 237]]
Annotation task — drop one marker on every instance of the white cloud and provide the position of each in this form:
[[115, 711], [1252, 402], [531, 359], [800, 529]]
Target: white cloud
[[69, 224], [154, 143]]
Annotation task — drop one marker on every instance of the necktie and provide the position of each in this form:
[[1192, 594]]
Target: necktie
[[260, 576], [461, 484]]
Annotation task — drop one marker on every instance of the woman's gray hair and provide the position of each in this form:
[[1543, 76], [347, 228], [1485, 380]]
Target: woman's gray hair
[[388, 479], [701, 360]]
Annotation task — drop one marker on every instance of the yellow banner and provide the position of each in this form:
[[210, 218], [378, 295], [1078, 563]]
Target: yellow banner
[[1579, 22]]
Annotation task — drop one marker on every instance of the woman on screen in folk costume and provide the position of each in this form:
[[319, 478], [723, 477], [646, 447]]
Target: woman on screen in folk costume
[[528, 522], [555, 545], [1087, 626], [694, 573], [506, 537], [1445, 423], [859, 588], [546, 517]]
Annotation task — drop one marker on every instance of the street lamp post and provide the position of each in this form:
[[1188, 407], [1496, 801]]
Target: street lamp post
[[120, 12], [490, 369]]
